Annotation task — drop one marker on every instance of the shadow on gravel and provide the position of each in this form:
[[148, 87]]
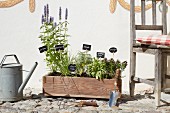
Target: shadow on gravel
[[124, 98], [165, 103]]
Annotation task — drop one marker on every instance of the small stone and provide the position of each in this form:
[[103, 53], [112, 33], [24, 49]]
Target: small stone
[[34, 112], [72, 100], [89, 108], [34, 96], [37, 105], [65, 100], [61, 106], [50, 99], [42, 95], [53, 111], [73, 109], [27, 92], [55, 106], [87, 111], [107, 111], [115, 108], [38, 100], [7, 104], [47, 99], [1, 102], [100, 103], [104, 107], [70, 104], [60, 99], [21, 110]]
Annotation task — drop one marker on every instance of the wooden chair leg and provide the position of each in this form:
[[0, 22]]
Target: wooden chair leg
[[158, 78], [132, 88], [132, 73], [164, 71]]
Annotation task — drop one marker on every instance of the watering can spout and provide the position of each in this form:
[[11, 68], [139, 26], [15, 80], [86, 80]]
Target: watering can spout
[[27, 78]]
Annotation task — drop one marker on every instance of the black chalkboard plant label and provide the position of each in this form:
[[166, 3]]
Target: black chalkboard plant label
[[113, 50], [86, 47], [72, 67], [42, 49], [59, 47], [100, 54]]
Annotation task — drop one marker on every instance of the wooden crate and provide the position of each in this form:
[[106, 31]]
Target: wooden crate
[[79, 87]]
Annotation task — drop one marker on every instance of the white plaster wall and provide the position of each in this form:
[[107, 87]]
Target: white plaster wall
[[90, 22]]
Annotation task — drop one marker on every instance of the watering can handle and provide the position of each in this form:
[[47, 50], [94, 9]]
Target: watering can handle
[[7, 56]]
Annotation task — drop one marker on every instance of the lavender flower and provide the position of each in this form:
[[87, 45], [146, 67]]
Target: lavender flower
[[60, 13], [66, 14], [42, 19], [51, 19], [54, 24], [45, 11], [48, 21]]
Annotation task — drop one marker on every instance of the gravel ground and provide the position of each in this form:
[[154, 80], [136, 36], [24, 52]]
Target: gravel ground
[[37, 103]]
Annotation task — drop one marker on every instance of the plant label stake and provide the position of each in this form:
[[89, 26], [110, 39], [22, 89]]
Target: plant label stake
[[86, 47], [59, 47], [72, 67], [100, 54], [42, 49], [113, 50]]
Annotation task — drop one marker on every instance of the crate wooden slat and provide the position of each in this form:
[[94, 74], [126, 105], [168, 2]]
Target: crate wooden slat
[[149, 27], [79, 87]]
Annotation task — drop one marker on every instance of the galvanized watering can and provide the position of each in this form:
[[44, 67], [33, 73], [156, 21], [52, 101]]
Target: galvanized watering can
[[11, 85]]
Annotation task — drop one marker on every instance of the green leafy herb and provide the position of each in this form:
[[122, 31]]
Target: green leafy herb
[[53, 34]]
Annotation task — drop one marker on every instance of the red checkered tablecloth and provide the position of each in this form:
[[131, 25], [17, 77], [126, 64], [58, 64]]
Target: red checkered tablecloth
[[155, 39]]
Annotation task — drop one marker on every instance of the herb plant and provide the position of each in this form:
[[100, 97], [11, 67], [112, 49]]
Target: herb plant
[[83, 59], [53, 34], [97, 69], [101, 69]]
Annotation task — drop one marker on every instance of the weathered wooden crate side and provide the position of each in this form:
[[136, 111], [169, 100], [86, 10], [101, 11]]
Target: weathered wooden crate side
[[79, 87]]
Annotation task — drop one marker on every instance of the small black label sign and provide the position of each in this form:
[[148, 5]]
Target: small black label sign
[[59, 47], [86, 47], [100, 54], [42, 49], [72, 67], [113, 50]]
